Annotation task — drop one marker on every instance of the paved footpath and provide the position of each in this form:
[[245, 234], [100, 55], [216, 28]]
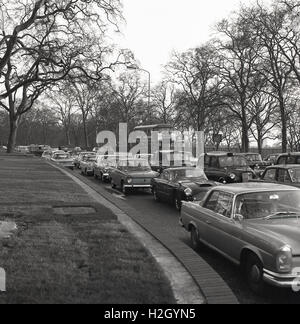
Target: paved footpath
[[213, 287]]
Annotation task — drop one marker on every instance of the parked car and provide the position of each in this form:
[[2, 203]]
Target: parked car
[[288, 158], [165, 159], [271, 159], [255, 162], [254, 225], [284, 174], [78, 158], [181, 184], [103, 167], [47, 155], [87, 165], [132, 174], [227, 168], [23, 149], [63, 159]]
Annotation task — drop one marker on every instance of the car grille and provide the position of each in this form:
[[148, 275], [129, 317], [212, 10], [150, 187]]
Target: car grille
[[141, 181]]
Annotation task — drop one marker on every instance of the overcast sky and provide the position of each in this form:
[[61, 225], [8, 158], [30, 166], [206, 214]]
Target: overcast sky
[[157, 27]]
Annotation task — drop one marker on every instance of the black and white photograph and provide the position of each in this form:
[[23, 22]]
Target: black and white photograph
[[150, 154]]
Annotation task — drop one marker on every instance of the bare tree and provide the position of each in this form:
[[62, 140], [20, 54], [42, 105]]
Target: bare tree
[[265, 110], [195, 72], [239, 58], [164, 100], [43, 42], [64, 105], [128, 91], [266, 24]]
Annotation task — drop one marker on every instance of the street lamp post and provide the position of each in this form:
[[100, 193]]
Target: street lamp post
[[133, 67]]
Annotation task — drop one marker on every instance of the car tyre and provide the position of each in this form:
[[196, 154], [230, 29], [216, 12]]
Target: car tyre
[[254, 274], [195, 239], [113, 185], [178, 203], [155, 195], [124, 189]]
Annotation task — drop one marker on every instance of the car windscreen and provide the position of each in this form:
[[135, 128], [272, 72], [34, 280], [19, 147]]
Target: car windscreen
[[265, 204], [295, 175], [91, 159], [62, 156], [232, 161], [254, 158], [135, 165], [189, 174], [293, 160]]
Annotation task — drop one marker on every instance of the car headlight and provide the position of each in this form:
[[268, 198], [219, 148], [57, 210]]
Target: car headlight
[[129, 181], [232, 176], [188, 192], [284, 259]]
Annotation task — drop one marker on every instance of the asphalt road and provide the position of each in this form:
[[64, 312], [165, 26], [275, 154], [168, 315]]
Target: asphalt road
[[168, 216]]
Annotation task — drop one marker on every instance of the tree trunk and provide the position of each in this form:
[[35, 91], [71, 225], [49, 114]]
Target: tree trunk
[[245, 138], [260, 144], [13, 131], [68, 137], [284, 126], [85, 131]]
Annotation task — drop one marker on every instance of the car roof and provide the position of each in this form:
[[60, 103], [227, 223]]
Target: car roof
[[221, 154], [254, 187], [249, 153], [181, 168], [132, 160], [290, 154], [285, 166]]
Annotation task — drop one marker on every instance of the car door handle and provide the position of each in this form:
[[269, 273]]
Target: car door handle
[[208, 222]]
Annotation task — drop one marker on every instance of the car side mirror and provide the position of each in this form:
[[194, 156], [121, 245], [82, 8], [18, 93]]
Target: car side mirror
[[238, 218]]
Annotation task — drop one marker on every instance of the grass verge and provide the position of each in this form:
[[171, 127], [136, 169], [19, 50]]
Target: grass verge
[[56, 258]]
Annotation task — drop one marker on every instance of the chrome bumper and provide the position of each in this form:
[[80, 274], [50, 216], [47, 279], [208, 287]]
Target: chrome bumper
[[138, 186], [280, 280]]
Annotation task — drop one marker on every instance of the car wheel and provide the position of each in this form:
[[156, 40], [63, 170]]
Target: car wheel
[[155, 195], [113, 185], [101, 177], [195, 239], [254, 275], [124, 189], [178, 203]]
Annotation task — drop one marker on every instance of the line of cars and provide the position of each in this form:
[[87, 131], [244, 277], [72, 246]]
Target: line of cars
[[249, 213], [59, 157], [256, 224]]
